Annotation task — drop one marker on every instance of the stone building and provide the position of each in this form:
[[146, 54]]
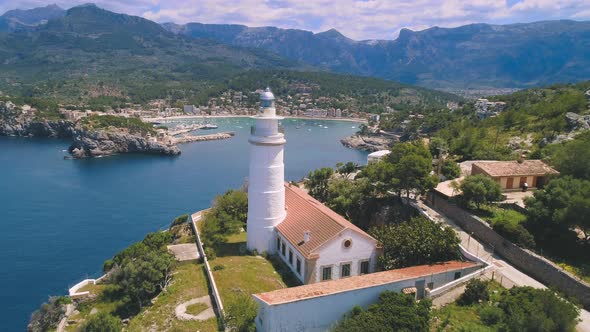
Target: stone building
[[512, 175]]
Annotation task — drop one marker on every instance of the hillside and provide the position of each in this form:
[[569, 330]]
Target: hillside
[[92, 52], [90, 56], [470, 56], [18, 19]]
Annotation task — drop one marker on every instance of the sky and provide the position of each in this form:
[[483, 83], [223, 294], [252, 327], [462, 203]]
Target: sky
[[356, 19]]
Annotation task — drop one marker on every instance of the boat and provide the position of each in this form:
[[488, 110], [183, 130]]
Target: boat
[[209, 126]]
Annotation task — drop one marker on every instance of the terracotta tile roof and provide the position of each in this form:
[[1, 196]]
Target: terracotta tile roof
[[514, 168], [309, 291], [305, 213]]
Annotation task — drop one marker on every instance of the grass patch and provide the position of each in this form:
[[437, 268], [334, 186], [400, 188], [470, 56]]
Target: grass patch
[[582, 270], [93, 289], [243, 273], [197, 308], [493, 215], [454, 317], [189, 282]]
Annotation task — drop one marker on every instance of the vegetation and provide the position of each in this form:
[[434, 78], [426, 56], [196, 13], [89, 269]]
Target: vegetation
[[179, 220], [241, 310], [393, 312], [480, 189], [196, 308], [227, 216], [405, 170], [102, 322], [485, 306], [415, 242], [48, 316], [507, 222], [476, 291], [450, 169], [134, 125], [317, 183]]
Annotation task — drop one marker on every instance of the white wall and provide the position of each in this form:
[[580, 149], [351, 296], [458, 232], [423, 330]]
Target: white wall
[[285, 258], [334, 254], [266, 195], [320, 313]]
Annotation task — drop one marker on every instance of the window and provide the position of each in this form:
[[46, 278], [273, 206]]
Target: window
[[327, 273], [283, 249], [457, 275], [345, 270], [278, 243], [347, 243], [298, 266], [364, 267], [290, 257]]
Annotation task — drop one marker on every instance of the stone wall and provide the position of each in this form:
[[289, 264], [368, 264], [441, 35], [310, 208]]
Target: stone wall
[[196, 217], [532, 264]]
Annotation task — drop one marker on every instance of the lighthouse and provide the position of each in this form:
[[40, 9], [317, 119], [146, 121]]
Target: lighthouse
[[266, 183]]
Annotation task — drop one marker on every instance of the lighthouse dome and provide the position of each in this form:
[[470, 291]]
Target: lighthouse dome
[[267, 95]]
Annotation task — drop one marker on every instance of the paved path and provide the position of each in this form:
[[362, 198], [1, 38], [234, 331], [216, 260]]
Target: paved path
[[185, 251], [208, 313], [505, 273]]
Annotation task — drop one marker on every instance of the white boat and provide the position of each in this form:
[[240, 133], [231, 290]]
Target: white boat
[[209, 126]]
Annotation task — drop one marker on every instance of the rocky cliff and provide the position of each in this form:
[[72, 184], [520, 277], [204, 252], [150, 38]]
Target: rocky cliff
[[105, 143], [14, 122], [367, 142]]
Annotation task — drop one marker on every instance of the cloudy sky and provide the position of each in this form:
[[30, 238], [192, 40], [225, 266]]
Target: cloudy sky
[[357, 19]]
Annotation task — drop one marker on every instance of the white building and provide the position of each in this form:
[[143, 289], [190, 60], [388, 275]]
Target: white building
[[377, 155], [315, 242], [318, 307]]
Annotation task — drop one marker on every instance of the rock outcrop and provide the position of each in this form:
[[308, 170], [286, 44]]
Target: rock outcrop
[[367, 143], [577, 121], [14, 122], [106, 143]]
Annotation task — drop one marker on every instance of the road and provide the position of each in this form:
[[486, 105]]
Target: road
[[505, 273]]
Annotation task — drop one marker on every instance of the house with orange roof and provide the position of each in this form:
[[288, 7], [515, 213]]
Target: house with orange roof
[[513, 175]]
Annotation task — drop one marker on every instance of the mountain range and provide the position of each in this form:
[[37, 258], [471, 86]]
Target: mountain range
[[470, 56]]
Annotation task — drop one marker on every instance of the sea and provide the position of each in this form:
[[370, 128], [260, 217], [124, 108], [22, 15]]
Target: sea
[[61, 219]]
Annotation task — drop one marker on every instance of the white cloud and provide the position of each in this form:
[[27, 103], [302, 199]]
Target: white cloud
[[357, 19]]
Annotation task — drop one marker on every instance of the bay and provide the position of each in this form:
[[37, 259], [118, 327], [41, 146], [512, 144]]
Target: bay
[[61, 219]]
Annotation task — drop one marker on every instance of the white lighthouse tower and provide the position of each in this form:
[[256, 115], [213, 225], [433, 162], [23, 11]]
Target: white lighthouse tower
[[266, 188]]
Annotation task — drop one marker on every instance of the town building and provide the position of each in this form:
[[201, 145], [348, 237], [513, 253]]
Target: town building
[[314, 241], [512, 175], [377, 155], [485, 108]]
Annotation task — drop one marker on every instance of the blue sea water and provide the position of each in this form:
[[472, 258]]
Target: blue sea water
[[61, 218]]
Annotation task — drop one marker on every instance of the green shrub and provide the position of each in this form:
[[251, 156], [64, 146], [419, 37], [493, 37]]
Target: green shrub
[[218, 267], [490, 315], [102, 322], [476, 290], [210, 253], [241, 310], [515, 233], [179, 220], [108, 265]]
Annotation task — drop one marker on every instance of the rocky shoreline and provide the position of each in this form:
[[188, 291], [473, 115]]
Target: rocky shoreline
[[95, 143], [370, 142]]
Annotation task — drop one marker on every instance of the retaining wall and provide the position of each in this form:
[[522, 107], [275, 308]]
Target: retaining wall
[[532, 264], [195, 217]]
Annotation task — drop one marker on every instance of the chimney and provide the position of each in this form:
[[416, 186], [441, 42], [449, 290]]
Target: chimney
[[306, 237]]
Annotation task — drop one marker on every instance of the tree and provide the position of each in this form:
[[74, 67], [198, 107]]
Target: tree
[[241, 312], [437, 145], [102, 322], [393, 312], [347, 168], [348, 197], [573, 157], [228, 216], [146, 276], [415, 242], [476, 290], [530, 309], [480, 189], [563, 204], [450, 169], [317, 183]]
